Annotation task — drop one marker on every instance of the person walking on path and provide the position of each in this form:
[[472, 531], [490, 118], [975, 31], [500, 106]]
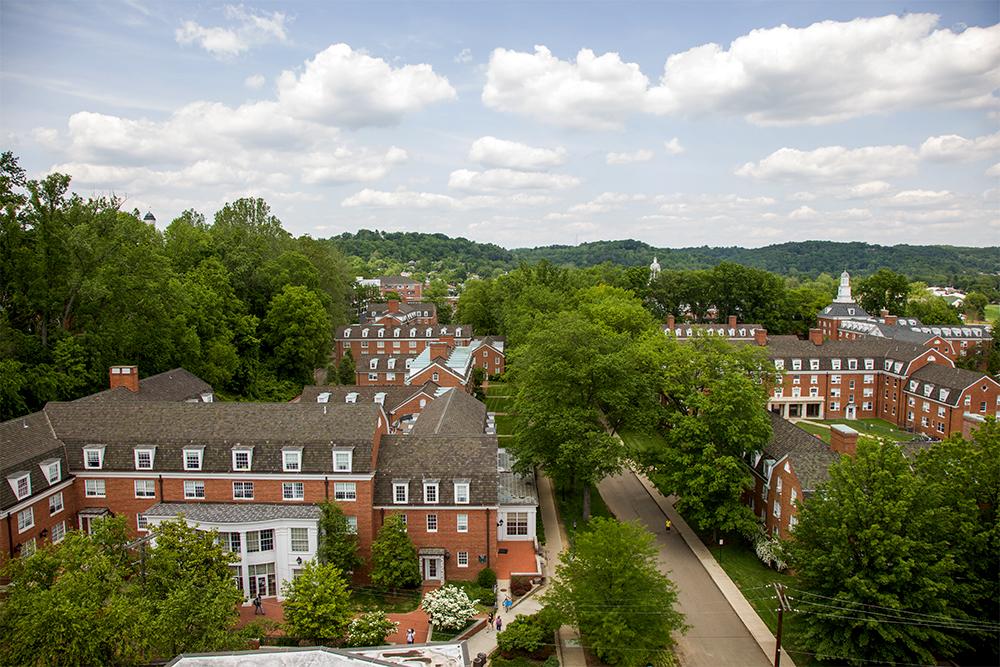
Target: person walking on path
[[667, 524], [411, 636], [489, 620], [507, 604], [499, 624], [258, 606]]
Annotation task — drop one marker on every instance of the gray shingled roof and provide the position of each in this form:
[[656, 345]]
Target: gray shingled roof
[[446, 459], [437, 330], [810, 457], [234, 512], [719, 330], [174, 385], [791, 347], [454, 412], [394, 396], [217, 427], [24, 443], [844, 311], [938, 377], [363, 363], [515, 489]]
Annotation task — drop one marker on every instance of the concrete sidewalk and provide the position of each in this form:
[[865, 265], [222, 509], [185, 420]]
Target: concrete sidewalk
[[725, 630], [485, 641]]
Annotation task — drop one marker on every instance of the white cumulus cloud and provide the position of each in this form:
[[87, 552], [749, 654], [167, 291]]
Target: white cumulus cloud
[[673, 147], [255, 81], [832, 164], [641, 155], [494, 180], [493, 152], [952, 147], [248, 29]]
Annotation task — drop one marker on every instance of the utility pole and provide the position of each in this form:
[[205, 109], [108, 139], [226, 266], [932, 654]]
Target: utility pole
[[783, 606]]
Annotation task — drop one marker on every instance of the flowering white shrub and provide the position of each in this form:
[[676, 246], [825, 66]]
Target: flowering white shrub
[[371, 629], [449, 608], [768, 550]]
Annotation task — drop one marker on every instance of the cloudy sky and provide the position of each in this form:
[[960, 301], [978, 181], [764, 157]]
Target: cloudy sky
[[527, 123]]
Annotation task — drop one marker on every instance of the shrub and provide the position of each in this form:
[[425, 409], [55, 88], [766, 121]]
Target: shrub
[[548, 619], [486, 578], [449, 608], [371, 629], [551, 661], [522, 635]]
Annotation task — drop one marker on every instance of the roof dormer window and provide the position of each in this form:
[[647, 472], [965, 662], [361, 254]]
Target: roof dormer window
[[347, 332], [413, 332], [52, 470], [395, 332], [93, 457], [364, 333], [342, 460], [373, 364], [430, 332], [192, 458], [242, 458], [814, 364], [431, 491], [458, 331], [291, 459], [400, 491], [20, 484], [144, 457], [381, 333]]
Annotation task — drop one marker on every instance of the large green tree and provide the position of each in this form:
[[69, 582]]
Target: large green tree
[[297, 331], [317, 603], [884, 289], [394, 558], [338, 543], [880, 581], [609, 586]]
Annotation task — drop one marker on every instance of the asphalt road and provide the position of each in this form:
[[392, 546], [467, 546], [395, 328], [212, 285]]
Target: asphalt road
[[717, 637]]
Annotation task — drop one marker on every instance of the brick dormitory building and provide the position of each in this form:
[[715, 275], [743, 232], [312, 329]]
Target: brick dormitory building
[[255, 472]]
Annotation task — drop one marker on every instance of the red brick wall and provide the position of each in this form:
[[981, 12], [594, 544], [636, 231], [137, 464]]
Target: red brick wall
[[489, 360], [43, 521], [482, 532]]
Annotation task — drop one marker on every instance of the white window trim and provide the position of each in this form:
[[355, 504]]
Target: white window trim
[[193, 450], [468, 493], [353, 492], [406, 493], [14, 481], [458, 559], [152, 457], [24, 529], [350, 460], [62, 503], [194, 485], [291, 540], [243, 487], [437, 493], [285, 455], [428, 523], [458, 523], [100, 458], [249, 453], [47, 469], [87, 494], [135, 487], [292, 486]]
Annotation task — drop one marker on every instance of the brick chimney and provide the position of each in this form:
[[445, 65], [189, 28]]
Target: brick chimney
[[970, 424], [760, 337], [889, 319], [439, 349], [393, 306], [816, 336], [670, 321], [732, 321], [843, 439], [124, 376]]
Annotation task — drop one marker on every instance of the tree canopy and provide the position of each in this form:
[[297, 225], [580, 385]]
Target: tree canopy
[[394, 558]]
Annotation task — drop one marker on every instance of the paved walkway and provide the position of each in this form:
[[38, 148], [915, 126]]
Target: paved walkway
[[718, 637], [485, 641]]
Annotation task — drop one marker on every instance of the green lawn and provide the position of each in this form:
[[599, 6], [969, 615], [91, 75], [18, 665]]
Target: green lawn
[[820, 432], [499, 403], [369, 599], [993, 312], [876, 427], [505, 425], [569, 502], [498, 389], [640, 442], [484, 596]]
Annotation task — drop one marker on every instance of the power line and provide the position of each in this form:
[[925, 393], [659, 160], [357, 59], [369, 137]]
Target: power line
[[874, 606], [901, 614]]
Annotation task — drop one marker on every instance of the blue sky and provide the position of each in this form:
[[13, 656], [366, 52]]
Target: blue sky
[[527, 123]]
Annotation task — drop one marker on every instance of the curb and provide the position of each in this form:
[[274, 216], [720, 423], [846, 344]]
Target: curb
[[746, 613]]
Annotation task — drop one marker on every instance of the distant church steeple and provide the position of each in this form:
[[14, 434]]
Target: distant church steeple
[[844, 291], [654, 270]]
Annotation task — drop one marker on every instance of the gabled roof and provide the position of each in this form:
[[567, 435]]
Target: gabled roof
[[454, 412], [24, 443], [355, 331], [394, 395], [174, 385], [809, 456], [843, 311], [721, 330], [234, 512], [447, 459], [791, 347], [944, 384]]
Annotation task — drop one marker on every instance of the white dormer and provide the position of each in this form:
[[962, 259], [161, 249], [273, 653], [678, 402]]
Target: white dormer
[[373, 364], [381, 333], [242, 458], [380, 398], [913, 385], [20, 484], [430, 331], [779, 364], [796, 364], [364, 333], [928, 389], [324, 397], [93, 457], [51, 470], [391, 363], [395, 332], [352, 397], [943, 394], [413, 332], [869, 364], [458, 331], [342, 459], [444, 331], [347, 332], [144, 457], [291, 459], [409, 362]]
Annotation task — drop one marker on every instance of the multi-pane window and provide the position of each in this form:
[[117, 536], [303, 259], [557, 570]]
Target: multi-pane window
[[300, 540], [462, 493], [777, 509], [58, 532], [28, 548], [342, 461], [242, 490], [352, 524], [291, 460], [23, 486], [400, 493], [293, 490], [55, 503], [237, 575], [462, 523], [230, 542], [430, 492], [94, 488], [25, 519], [260, 540], [141, 522], [463, 559], [145, 488], [54, 472], [517, 523], [93, 458], [345, 491], [192, 459], [262, 579], [432, 523], [144, 459], [241, 459], [194, 489]]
